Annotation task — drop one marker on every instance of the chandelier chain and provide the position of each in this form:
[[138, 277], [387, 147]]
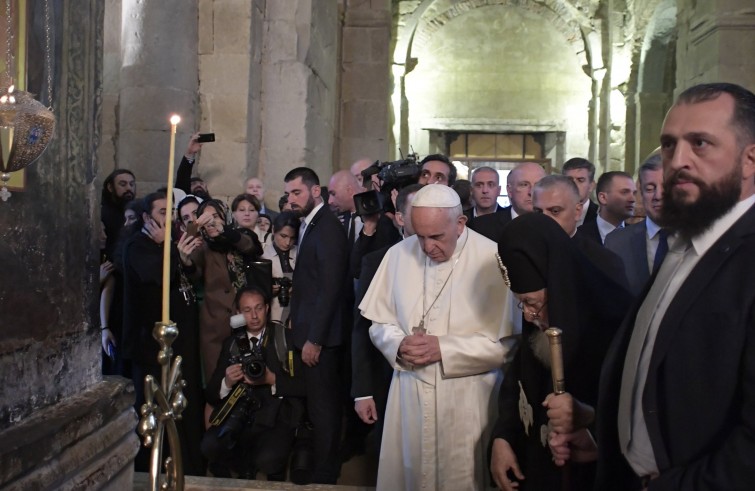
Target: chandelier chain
[[48, 51], [9, 42]]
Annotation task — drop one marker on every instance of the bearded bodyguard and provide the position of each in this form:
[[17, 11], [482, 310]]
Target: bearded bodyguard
[[440, 316]]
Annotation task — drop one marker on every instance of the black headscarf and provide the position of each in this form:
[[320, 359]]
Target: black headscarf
[[583, 302], [223, 242], [238, 263]]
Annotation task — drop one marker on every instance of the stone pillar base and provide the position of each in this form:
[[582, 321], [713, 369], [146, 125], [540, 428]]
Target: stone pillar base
[[84, 442]]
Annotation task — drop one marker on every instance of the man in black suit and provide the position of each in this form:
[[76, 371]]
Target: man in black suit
[[519, 185], [616, 197], [582, 172], [677, 395], [371, 373], [342, 188], [265, 437], [486, 188], [638, 244], [558, 197], [316, 308]]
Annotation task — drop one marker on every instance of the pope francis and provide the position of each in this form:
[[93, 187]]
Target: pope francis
[[440, 314]]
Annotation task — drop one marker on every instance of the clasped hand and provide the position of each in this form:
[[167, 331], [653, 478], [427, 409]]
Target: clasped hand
[[420, 349]]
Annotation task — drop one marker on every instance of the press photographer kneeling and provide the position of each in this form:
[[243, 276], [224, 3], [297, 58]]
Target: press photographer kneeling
[[257, 394]]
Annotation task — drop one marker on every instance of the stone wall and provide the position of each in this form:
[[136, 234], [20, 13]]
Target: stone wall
[[158, 77], [224, 65], [295, 94], [366, 83], [54, 404], [476, 71], [715, 43]]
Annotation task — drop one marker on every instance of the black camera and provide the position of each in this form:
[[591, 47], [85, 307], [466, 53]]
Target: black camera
[[250, 357], [393, 175], [284, 290], [243, 402], [237, 411]]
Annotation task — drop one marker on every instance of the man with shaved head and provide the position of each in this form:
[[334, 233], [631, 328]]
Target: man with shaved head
[[519, 185], [356, 170], [342, 188], [486, 187], [558, 197]]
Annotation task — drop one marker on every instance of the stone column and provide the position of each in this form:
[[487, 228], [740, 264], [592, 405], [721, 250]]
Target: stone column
[[365, 82], [158, 78], [714, 44], [293, 92], [225, 58], [62, 425]]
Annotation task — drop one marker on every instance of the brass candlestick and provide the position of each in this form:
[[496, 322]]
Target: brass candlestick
[[164, 405]]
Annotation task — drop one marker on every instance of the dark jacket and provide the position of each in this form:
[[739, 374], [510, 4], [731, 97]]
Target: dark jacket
[[491, 225], [699, 397], [630, 243], [318, 282], [286, 405]]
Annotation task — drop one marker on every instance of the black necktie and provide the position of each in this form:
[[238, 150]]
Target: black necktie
[[660, 253], [285, 260]]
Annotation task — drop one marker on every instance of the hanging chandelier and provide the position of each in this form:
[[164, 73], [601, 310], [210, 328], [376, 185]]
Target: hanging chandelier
[[26, 125]]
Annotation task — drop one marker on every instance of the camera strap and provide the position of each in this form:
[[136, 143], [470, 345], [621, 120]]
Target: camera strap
[[237, 393], [285, 356]]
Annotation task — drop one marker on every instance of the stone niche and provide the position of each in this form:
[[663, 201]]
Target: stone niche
[[498, 68], [61, 425]]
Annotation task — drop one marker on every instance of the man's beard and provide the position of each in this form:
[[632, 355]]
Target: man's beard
[[714, 201], [541, 347], [303, 212], [125, 197]]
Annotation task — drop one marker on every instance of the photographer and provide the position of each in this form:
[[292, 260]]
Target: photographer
[[218, 255], [376, 208], [256, 433], [282, 252]]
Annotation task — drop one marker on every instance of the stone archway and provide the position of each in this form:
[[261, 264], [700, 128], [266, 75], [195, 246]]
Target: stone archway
[[470, 65], [656, 78]]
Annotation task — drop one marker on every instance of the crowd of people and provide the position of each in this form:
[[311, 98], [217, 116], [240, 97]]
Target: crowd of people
[[417, 333]]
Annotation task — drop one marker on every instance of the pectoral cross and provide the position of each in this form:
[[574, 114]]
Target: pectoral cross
[[420, 329]]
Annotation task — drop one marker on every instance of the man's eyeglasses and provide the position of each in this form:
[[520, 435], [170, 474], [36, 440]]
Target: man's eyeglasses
[[535, 315]]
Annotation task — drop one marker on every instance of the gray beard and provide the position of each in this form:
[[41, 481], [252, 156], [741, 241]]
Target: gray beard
[[541, 348]]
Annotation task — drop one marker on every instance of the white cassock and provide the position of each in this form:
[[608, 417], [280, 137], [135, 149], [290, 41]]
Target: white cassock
[[438, 417]]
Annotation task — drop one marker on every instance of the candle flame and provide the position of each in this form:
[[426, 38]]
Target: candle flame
[[175, 119]]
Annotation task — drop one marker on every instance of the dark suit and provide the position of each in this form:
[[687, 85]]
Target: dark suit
[[590, 230], [266, 211], [491, 225], [385, 235], [606, 261], [592, 212], [469, 212], [630, 243], [371, 373], [266, 442], [699, 397], [316, 316]]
